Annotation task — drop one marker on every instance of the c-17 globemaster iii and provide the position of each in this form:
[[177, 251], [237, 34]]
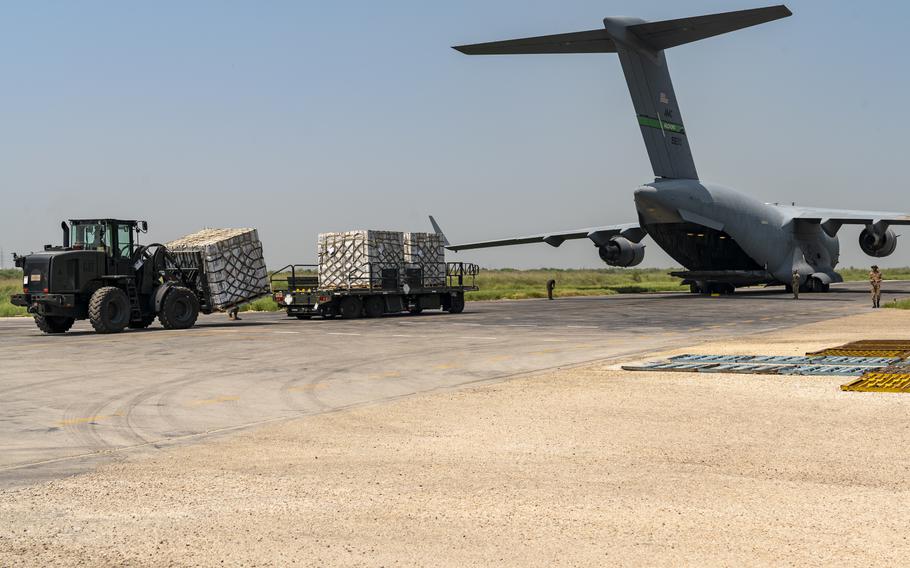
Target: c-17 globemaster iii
[[722, 237]]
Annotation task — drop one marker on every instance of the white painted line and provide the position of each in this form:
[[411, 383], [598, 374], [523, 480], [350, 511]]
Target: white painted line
[[289, 332], [338, 333], [402, 336], [483, 338]]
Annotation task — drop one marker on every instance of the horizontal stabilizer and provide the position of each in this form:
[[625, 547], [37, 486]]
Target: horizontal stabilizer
[[594, 41], [670, 33]]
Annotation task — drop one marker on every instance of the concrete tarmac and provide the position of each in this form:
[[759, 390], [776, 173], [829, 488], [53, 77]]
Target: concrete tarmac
[[71, 402]]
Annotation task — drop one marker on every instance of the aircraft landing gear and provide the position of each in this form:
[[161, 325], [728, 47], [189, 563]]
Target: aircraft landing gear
[[712, 288]]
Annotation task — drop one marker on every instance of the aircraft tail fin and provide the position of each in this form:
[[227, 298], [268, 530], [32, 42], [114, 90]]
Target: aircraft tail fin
[[640, 46]]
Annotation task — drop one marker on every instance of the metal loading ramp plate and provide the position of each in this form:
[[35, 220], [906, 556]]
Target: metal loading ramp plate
[[770, 365], [880, 382]]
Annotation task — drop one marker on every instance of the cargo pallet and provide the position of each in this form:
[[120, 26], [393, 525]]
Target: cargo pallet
[[381, 291]]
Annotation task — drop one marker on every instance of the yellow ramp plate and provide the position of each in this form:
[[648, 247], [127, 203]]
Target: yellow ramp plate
[[839, 352], [880, 382]]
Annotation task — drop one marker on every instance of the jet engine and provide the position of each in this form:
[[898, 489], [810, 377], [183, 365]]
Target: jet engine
[[877, 244], [620, 251]]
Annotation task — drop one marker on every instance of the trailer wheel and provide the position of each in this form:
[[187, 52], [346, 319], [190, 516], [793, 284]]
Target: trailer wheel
[[456, 303], [54, 324], [351, 307], [109, 310], [373, 307], [303, 317], [179, 309]]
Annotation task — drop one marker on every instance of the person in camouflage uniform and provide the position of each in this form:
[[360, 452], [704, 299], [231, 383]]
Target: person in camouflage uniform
[[794, 283], [875, 281]]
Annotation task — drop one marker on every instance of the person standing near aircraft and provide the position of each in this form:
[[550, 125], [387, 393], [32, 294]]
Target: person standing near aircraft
[[875, 281], [551, 284], [794, 283]]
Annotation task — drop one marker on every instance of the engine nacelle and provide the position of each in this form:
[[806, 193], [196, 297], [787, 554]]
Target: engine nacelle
[[877, 244], [620, 251]]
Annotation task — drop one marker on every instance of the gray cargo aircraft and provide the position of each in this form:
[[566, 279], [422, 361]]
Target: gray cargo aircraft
[[723, 238]]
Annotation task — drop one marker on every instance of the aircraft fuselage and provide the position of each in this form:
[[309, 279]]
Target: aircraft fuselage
[[709, 228]]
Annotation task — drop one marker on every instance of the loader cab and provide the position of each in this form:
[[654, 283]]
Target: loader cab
[[117, 238]]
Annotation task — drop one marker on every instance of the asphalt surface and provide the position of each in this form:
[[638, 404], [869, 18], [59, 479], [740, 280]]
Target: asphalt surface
[[71, 402]]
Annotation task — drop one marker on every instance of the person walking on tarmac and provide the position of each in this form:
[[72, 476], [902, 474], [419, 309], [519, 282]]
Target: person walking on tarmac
[[233, 314], [794, 283], [875, 281], [551, 284]]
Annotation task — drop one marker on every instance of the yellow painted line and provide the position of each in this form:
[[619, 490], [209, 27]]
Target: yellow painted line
[[308, 388], [89, 419], [499, 358], [545, 352], [217, 400], [386, 375], [445, 366]]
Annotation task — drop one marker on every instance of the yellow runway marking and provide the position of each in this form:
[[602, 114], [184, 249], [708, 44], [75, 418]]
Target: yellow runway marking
[[545, 352], [89, 419], [445, 366], [386, 375], [217, 400], [308, 388], [499, 358]]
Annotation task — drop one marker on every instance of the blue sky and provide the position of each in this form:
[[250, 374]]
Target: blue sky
[[301, 117]]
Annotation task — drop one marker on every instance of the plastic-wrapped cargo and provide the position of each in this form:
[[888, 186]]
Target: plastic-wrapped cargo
[[360, 259], [233, 264], [425, 251]]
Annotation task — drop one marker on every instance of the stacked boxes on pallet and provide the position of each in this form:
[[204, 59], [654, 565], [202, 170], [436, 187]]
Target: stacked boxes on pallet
[[425, 252], [233, 265], [357, 259]]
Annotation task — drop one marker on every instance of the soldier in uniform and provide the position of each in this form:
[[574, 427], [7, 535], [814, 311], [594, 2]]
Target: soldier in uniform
[[875, 281], [233, 314], [794, 283], [551, 284]]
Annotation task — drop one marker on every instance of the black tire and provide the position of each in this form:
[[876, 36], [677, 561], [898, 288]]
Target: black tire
[[179, 309], [456, 303], [303, 317], [143, 323], [814, 285], [54, 324], [109, 310], [373, 307], [351, 307], [416, 309]]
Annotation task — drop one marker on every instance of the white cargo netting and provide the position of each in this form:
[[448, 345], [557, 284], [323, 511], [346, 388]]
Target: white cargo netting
[[357, 259], [233, 264], [425, 251]]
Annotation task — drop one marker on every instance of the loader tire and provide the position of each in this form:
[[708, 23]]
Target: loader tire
[[180, 309], [109, 310], [54, 324]]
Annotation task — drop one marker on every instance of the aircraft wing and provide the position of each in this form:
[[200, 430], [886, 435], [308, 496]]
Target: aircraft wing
[[832, 219], [599, 235]]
